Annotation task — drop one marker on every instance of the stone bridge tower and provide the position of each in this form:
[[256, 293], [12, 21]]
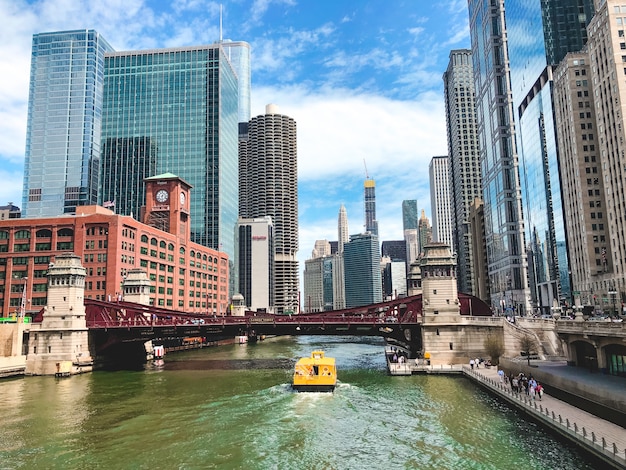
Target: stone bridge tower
[[60, 344]]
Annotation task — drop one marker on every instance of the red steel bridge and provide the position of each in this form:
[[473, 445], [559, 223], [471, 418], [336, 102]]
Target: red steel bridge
[[126, 326]]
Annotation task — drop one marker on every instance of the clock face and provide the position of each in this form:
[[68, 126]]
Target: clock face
[[182, 198], [161, 195]]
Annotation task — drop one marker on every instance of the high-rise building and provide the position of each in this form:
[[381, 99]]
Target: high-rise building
[[439, 175], [270, 167], [606, 47], [504, 225], [154, 114], [464, 156], [363, 283], [255, 260], [238, 54], [394, 278], [395, 250], [424, 232], [371, 224], [342, 229], [62, 163], [409, 226], [556, 27]]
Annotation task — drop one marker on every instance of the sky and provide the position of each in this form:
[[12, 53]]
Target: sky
[[362, 79]]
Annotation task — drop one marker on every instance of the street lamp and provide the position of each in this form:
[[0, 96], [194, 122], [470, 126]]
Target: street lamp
[[22, 313], [613, 294]]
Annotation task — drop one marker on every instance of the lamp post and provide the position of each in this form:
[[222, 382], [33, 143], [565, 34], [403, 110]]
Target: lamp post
[[613, 294], [22, 313]]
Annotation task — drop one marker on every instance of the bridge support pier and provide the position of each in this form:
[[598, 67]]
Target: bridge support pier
[[59, 345]]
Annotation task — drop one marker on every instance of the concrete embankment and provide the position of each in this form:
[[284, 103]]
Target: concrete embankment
[[601, 438]]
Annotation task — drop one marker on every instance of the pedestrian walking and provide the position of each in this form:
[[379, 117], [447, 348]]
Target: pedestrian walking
[[472, 363]]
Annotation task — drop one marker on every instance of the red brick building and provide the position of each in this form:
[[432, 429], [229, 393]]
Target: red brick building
[[185, 276]]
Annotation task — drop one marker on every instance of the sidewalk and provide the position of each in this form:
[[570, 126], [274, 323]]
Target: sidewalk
[[604, 439]]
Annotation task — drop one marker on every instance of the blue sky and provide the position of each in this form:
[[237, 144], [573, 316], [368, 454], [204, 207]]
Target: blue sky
[[362, 79]]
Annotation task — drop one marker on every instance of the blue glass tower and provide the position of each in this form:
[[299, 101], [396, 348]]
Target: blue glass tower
[[63, 132], [539, 35], [362, 277], [174, 110]]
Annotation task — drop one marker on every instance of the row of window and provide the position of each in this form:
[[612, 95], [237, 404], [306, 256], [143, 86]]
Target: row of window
[[43, 233]]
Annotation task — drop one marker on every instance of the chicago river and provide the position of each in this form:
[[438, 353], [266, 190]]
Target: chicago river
[[231, 407]]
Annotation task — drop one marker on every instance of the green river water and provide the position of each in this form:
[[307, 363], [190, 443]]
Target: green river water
[[231, 407]]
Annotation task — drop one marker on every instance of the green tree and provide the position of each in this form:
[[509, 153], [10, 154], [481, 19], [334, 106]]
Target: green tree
[[494, 347]]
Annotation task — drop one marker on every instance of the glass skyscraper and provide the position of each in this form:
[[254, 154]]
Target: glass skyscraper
[[63, 131], [504, 225], [539, 33], [362, 276], [174, 111]]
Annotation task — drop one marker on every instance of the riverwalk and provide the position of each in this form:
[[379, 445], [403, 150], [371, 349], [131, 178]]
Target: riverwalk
[[603, 439]]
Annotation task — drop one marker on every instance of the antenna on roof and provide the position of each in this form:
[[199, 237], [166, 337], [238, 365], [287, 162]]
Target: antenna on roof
[[220, 22]]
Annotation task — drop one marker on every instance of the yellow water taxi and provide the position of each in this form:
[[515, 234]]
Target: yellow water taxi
[[315, 374]]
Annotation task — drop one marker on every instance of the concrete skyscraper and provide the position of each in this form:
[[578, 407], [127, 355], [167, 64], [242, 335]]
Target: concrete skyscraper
[[255, 262], [409, 227], [424, 232], [269, 164], [589, 103], [371, 224], [342, 229], [464, 156], [63, 129], [504, 225], [439, 175]]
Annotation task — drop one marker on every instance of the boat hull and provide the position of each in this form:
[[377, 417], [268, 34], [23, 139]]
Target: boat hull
[[313, 388]]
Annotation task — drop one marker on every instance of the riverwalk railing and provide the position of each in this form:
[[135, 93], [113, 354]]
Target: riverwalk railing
[[566, 426]]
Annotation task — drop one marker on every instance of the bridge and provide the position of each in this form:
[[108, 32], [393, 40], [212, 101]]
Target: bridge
[[120, 329]]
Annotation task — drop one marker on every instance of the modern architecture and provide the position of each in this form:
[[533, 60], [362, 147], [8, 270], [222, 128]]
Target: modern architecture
[[409, 228], [363, 283], [439, 175], [464, 159], [371, 223], [255, 262], [504, 225], [62, 164], [268, 161]]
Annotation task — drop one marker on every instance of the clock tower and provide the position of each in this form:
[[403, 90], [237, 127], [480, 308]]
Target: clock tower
[[167, 204]]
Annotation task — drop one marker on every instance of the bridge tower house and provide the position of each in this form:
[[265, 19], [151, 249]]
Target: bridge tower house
[[60, 344], [136, 286], [440, 304]]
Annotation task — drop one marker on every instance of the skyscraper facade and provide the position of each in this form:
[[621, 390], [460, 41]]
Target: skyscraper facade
[[440, 200], [539, 32], [424, 232], [362, 277], [175, 109], [62, 161], [409, 226], [464, 155], [504, 225], [342, 229], [255, 262], [371, 224], [606, 47], [270, 166]]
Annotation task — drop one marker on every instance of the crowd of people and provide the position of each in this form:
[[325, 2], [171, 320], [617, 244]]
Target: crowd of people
[[521, 383]]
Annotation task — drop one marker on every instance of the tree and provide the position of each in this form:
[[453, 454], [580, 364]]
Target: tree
[[494, 347], [528, 346]]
